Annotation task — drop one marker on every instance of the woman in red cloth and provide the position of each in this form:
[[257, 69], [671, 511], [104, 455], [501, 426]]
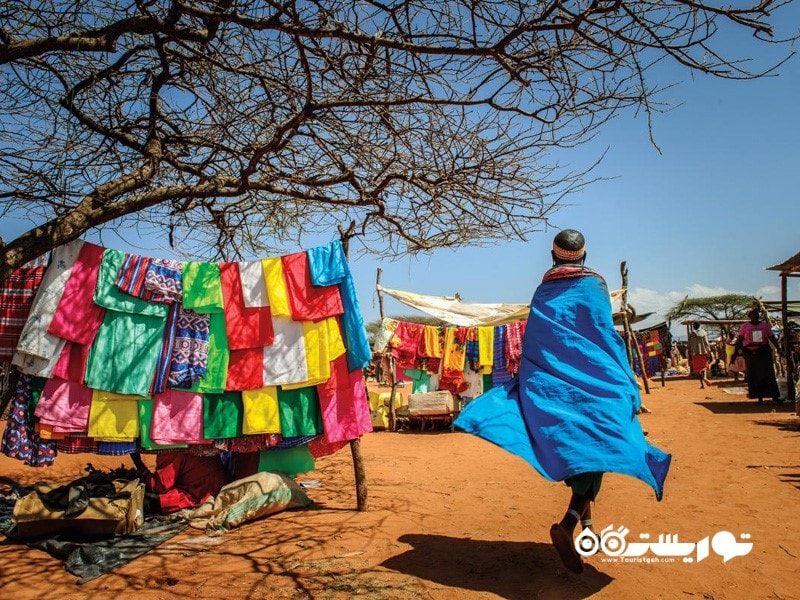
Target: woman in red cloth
[[181, 480]]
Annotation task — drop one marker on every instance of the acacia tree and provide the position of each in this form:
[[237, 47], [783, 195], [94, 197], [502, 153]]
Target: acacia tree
[[412, 124], [713, 308]]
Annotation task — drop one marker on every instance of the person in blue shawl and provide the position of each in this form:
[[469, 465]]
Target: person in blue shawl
[[572, 410]]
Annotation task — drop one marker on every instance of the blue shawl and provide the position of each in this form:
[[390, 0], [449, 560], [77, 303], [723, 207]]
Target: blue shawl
[[572, 409]]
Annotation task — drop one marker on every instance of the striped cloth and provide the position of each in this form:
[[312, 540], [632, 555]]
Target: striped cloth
[[16, 297], [500, 374]]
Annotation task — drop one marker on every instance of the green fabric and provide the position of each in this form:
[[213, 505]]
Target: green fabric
[[37, 385], [487, 382], [218, 358], [222, 415], [108, 295], [299, 412], [585, 484], [125, 352], [289, 461], [420, 381], [145, 419], [202, 287]]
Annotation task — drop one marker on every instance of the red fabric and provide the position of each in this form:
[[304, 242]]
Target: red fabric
[[245, 370], [16, 297], [699, 363], [307, 301], [183, 480], [405, 343], [246, 327], [77, 317], [71, 363]]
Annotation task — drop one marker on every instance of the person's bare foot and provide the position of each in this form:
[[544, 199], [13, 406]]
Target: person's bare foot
[[565, 547]]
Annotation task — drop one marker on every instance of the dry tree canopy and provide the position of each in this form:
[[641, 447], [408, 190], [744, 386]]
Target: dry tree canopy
[[239, 125]]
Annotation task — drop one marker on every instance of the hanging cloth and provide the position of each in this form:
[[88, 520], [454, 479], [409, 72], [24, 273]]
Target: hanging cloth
[[218, 358], [299, 412], [202, 289], [20, 439], [17, 292], [145, 422], [328, 266], [164, 278], [222, 415], [38, 350], [276, 287], [254, 286], [486, 345], [323, 343], [245, 327], [261, 411], [343, 403], [285, 360], [113, 417], [308, 302], [64, 405], [177, 418], [500, 374], [189, 359], [245, 370]]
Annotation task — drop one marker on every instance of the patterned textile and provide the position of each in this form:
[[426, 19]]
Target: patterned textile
[[249, 443], [291, 442], [165, 358], [164, 278], [321, 447], [405, 342], [472, 348], [19, 438], [514, 334], [190, 349], [131, 278], [16, 297], [76, 443], [500, 374], [116, 448]]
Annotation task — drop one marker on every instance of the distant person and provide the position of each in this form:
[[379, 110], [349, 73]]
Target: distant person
[[753, 342], [700, 352], [181, 480], [571, 411], [734, 361]]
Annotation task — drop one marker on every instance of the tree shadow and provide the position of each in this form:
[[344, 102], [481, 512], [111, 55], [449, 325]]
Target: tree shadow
[[780, 471], [782, 425], [512, 570], [745, 406]]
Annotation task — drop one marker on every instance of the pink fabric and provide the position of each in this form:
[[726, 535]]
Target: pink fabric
[[177, 418], [307, 301], [747, 329], [64, 405], [245, 369], [71, 363], [77, 317], [246, 327], [343, 404], [405, 342]]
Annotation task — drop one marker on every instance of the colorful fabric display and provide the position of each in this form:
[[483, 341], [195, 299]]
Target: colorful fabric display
[[308, 302], [299, 412], [285, 360], [218, 359], [432, 342], [405, 343], [145, 422], [381, 341], [108, 295], [254, 286], [276, 287], [189, 349], [77, 318], [500, 374], [177, 418], [323, 343], [514, 334], [261, 411], [113, 417], [16, 298], [245, 327], [164, 363], [328, 266], [71, 364], [202, 289], [472, 358], [37, 350], [455, 352], [486, 346], [20, 439], [64, 405], [130, 278], [164, 278], [344, 404], [222, 415], [249, 443], [245, 370], [289, 461]]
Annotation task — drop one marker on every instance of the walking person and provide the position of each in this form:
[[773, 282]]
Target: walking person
[[753, 342], [571, 411], [700, 352]]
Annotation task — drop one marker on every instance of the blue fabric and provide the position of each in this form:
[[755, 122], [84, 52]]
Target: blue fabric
[[328, 266], [500, 373], [572, 409]]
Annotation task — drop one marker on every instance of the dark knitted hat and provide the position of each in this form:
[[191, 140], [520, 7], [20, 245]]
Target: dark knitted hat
[[569, 245]]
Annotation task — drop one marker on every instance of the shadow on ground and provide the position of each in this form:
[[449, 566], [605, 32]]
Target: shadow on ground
[[746, 406], [513, 570]]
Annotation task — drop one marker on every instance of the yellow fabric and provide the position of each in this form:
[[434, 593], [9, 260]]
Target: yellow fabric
[[261, 413], [486, 346], [46, 432], [455, 354], [432, 342], [114, 417], [324, 343], [276, 287]]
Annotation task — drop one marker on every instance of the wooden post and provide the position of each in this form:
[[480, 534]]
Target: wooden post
[[362, 490], [787, 346], [624, 308]]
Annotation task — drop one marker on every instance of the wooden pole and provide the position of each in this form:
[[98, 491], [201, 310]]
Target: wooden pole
[[362, 489], [787, 345], [391, 358], [627, 328]]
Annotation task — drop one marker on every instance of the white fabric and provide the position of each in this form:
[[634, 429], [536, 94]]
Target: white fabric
[[455, 312], [254, 287], [388, 327], [37, 350], [285, 360]]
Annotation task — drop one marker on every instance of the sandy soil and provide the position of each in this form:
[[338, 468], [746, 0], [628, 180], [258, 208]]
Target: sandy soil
[[451, 516]]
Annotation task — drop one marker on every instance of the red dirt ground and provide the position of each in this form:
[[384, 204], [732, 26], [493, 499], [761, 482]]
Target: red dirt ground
[[451, 516]]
